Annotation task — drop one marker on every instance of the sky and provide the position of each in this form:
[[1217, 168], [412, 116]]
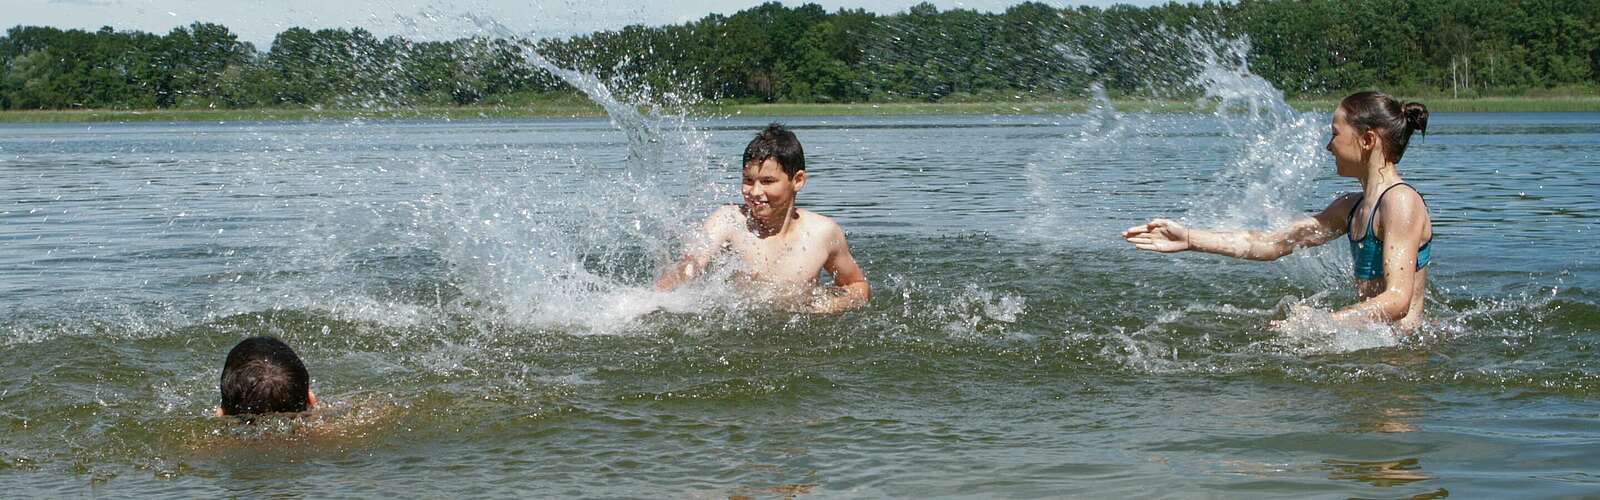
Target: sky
[[425, 19]]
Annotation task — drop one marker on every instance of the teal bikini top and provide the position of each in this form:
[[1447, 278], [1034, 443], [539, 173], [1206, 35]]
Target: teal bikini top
[[1368, 251]]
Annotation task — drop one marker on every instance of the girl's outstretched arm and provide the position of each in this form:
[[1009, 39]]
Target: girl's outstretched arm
[[1162, 235]]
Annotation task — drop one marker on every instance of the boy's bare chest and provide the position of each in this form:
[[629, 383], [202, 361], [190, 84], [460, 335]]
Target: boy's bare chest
[[796, 260]]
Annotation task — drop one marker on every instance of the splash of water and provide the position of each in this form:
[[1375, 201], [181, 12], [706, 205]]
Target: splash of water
[[669, 175], [542, 238], [1276, 158], [1309, 330], [1271, 181], [1272, 176], [1053, 181]]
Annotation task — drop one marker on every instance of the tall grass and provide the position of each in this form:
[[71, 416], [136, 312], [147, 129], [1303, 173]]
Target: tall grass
[[570, 106]]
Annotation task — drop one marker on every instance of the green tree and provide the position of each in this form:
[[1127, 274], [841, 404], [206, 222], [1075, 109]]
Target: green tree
[[816, 73]]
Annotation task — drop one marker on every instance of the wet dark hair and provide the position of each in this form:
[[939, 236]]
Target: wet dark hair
[[777, 142], [263, 375], [1393, 120]]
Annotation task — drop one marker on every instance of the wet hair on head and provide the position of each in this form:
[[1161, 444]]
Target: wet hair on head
[[263, 375], [1394, 121], [776, 142]]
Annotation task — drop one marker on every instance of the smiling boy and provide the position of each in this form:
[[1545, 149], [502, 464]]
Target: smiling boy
[[781, 247]]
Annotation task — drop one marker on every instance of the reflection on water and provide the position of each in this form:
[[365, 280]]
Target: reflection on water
[[1383, 412], [1393, 409], [1381, 473], [787, 491]]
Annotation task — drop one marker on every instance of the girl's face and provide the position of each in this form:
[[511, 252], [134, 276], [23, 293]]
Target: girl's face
[[1350, 148]]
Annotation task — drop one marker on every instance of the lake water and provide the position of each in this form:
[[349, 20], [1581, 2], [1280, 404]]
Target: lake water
[[471, 300]]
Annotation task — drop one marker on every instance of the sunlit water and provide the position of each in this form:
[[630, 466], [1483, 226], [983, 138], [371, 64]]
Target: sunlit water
[[471, 300]]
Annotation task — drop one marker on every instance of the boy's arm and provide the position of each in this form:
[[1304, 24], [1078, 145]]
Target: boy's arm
[[698, 255], [852, 290]]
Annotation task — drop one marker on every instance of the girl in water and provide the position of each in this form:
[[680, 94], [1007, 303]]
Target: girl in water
[[1390, 231]]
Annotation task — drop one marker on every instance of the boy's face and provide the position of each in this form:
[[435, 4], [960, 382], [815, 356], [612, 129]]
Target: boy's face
[[768, 190]]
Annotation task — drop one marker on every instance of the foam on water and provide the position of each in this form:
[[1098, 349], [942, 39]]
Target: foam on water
[[1310, 330], [976, 311]]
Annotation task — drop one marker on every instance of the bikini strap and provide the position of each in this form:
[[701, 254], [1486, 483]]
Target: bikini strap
[[1391, 188], [1379, 203]]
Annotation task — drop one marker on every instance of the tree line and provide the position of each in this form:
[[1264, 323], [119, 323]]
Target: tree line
[[774, 53]]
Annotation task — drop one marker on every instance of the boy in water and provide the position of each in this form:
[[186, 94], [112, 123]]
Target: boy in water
[[263, 375], [781, 247]]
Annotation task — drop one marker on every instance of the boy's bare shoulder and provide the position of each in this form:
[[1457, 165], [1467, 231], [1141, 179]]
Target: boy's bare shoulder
[[726, 216], [818, 223]]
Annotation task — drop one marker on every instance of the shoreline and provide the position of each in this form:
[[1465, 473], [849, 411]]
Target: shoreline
[[584, 110]]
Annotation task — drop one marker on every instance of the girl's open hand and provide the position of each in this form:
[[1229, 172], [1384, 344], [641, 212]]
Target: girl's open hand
[[1160, 235]]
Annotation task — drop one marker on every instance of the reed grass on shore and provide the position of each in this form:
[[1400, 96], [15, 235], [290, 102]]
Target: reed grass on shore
[[573, 109]]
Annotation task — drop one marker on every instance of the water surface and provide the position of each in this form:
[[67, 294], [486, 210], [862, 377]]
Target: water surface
[[470, 299]]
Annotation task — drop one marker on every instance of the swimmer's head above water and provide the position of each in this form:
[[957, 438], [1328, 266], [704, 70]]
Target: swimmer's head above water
[[263, 375], [1370, 132], [776, 142], [781, 247], [774, 171], [1373, 123]]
